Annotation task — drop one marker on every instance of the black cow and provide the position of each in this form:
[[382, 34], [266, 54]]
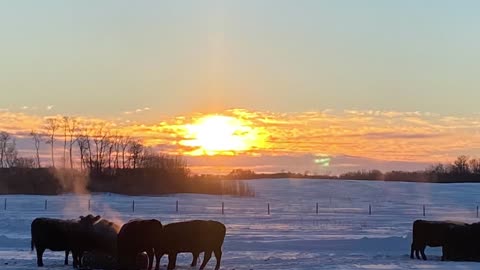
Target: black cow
[[101, 245], [60, 235], [462, 243], [194, 236], [104, 237], [430, 233], [135, 237]]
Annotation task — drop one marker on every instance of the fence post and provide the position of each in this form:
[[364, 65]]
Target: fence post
[[268, 208], [133, 206], [477, 211], [46, 204], [223, 208], [176, 206], [369, 209], [424, 210], [5, 205], [316, 210], [88, 205]]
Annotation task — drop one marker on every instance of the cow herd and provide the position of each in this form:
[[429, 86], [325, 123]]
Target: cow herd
[[98, 243], [459, 241]]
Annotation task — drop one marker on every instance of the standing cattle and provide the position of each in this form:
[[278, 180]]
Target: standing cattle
[[135, 237], [462, 243], [104, 237], [60, 235], [101, 244], [430, 233], [194, 236]]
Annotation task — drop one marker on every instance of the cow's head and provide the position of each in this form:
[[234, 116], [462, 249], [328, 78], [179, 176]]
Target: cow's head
[[89, 220]]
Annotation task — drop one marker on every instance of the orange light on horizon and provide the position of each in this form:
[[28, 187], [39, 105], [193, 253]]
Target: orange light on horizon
[[218, 134]]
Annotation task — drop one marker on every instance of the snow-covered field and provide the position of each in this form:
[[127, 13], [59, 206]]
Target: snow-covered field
[[341, 236]]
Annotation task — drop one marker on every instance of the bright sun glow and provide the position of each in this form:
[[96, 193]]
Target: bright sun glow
[[216, 134]]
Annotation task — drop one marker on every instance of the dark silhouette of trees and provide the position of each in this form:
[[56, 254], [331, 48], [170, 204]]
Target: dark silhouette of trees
[[241, 174], [474, 165], [460, 166], [124, 142], [135, 150], [363, 175], [24, 162]]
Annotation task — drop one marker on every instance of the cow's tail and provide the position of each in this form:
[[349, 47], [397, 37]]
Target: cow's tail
[[32, 245]]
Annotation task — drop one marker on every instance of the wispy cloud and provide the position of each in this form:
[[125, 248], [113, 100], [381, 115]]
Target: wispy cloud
[[139, 110]]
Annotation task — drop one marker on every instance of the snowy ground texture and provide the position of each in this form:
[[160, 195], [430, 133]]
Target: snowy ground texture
[[341, 236]]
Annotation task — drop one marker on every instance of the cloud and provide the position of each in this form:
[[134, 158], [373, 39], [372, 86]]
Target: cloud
[[139, 110], [49, 107]]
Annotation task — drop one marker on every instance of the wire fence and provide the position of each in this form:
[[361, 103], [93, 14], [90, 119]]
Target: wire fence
[[237, 207]]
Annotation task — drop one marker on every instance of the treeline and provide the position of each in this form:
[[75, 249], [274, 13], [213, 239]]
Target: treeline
[[97, 158], [463, 169]]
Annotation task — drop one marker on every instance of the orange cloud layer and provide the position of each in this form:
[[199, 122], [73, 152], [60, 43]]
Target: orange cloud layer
[[383, 135]]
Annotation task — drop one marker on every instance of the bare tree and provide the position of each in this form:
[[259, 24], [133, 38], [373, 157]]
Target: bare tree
[[136, 149], [11, 154], [82, 145], [460, 165], [23, 162], [4, 138], [66, 126], [52, 126], [474, 165], [124, 142], [37, 139], [72, 129]]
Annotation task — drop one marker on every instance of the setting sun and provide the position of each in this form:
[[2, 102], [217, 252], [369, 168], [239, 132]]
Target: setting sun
[[217, 134]]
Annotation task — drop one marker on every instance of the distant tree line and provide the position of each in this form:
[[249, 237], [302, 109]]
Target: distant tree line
[[463, 169]]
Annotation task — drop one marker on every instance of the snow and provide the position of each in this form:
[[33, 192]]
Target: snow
[[341, 236]]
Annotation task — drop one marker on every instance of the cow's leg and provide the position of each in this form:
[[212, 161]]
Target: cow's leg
[[80, 256], [158, 258], [195, 258], [77, 257], [422, 251], [411, 251], [417, 253], [218, 256], [172, 260], [40, 251], [206, 258], [150, 254], [66, 256]]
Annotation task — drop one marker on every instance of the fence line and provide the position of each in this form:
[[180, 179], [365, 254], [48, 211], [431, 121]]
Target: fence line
[[315, 208]]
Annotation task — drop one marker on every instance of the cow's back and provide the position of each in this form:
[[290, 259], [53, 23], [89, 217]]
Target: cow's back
[[195, 235], [139, 233]]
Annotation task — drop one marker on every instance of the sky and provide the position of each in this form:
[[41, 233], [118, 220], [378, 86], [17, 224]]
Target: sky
[[387, 84]]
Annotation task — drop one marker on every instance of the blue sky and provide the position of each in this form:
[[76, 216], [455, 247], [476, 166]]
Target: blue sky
[[386, 84], [179, 57]]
